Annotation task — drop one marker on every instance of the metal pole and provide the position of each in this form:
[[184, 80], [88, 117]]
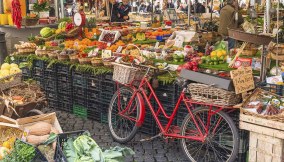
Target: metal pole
[[266, 27], [56, 7], [188, 11]]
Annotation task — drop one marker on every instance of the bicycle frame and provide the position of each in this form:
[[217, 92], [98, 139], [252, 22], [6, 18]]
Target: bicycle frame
[[165, 129]]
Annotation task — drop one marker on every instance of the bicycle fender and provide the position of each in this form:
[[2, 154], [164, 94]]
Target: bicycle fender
[[142, 111]]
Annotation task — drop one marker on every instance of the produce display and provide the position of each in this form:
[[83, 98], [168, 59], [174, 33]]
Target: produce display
[[20, 151], [265, 103], [9, 69], [84, 148]]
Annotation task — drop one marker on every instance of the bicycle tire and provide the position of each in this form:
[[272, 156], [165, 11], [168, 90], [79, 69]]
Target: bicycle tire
[[228, 120], [111, 106]]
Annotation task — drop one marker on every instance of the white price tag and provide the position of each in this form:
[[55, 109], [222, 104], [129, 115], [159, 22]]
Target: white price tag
[[119, 49], [157, 45], [108, 44], [179, 41], [106, 54]]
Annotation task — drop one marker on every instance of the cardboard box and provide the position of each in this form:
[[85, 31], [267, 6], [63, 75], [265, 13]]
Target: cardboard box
[[208, 79], [21, 123]]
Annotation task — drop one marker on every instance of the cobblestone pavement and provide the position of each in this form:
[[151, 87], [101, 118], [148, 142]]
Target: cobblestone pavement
[[157, 150]]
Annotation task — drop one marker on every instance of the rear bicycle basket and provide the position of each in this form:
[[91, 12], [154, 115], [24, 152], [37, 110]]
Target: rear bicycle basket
[[125, 74]]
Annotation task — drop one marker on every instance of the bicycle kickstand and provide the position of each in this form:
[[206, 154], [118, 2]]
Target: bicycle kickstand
[[149, 139]]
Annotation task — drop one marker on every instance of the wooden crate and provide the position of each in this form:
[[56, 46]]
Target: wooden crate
[[266, 139]]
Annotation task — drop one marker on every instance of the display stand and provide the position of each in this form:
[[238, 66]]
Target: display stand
[[255, 39]]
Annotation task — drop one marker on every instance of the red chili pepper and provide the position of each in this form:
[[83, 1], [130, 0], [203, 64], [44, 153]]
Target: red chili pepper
[[16, 13]]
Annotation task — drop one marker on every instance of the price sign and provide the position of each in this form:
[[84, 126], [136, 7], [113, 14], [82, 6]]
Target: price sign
[[242, 79], [179, 41], [157, 45], [119, 49], [106, 54]]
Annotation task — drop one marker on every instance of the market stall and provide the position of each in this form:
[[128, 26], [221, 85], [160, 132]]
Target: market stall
[[174, 73]]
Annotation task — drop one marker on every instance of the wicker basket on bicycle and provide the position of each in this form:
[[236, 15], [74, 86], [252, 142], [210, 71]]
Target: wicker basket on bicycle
[[125, 73], [209, 94]]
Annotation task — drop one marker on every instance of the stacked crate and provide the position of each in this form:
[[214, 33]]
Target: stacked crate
[[26, 71], [38, 72], [65, 90], [94, 83], [80, 101], [50, 86]]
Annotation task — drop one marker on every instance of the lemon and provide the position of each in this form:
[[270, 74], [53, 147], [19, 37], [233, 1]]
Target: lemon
[[224, 52], [219, 53], [15, 70], [213, 54], [14, 65], [5, 66]]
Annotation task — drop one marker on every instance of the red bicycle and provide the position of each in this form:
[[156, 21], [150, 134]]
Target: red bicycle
[[207, 133]]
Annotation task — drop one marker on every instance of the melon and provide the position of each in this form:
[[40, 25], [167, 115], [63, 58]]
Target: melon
[[62, 25], [140, 36], [46, 32]]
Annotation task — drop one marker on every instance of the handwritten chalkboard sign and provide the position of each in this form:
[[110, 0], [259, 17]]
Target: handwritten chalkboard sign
[[242, 79]]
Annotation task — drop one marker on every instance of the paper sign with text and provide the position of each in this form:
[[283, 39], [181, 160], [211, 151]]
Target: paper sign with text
[[179, 41], [106, 54], [242, 79]]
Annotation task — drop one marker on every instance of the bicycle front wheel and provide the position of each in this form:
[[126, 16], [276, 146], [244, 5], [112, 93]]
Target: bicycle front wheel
[[221, 143], [123, 127]]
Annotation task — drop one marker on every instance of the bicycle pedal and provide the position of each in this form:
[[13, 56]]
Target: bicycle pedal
[[149, 139]]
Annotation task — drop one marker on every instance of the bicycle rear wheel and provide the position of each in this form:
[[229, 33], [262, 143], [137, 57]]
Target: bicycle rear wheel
[[122, 128], [221, 143]]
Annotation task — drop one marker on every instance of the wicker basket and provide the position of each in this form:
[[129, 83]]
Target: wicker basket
[[277, 57], [30, 21], [279, 117], [108, 64], [26, 50], [52, 55], [97, 62], [6, 82], [86, 60], [209, 94], [72, 33], [249, 52], [125, 74], [63, 57], [73, 58]]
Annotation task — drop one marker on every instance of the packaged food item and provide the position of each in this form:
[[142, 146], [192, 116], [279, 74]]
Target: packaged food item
[[245, 62]]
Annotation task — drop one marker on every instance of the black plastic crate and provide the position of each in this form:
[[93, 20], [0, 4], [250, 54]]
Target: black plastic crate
[[108, 86], [65, 88], [65, 106], [149, 126], [40, 81], [79, 79], [105, 96], [50, 73], [59, 155], [64, 69], [80, 110], [94, 82], [93, 113], [50, 85], [79, 92], [51, 95], [274, 88], [40, 63], [64, 78], [94, 95], [39, 157], [52, 103], [38, 72], [80, 101]]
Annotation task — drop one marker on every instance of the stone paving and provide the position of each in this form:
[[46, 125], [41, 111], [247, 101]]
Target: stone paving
[[157, 150]]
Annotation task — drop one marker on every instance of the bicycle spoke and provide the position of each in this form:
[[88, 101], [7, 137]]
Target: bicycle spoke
[[218, 146]]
